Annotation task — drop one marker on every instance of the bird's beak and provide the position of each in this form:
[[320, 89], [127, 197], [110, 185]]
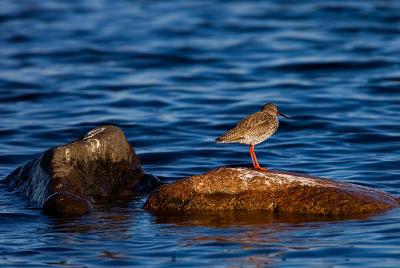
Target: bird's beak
[[283, 115]]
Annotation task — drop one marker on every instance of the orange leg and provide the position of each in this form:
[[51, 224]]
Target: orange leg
[[252, 155], [254, 159]]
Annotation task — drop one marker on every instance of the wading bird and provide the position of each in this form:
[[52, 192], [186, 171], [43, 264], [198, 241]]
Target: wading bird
[[254, 129]]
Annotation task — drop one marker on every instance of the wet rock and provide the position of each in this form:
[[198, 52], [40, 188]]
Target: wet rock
[[275, 191], [66, 204], [99, 165], [147, 184]]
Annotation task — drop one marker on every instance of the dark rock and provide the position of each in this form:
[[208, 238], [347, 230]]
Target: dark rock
[[275, 191], [66, 204], [147, 184], [99, 165]]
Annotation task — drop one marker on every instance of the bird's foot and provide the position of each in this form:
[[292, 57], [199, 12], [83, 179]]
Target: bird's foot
[[261, 168]]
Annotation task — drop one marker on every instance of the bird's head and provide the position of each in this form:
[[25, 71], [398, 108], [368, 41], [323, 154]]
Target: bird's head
[[272, 109]]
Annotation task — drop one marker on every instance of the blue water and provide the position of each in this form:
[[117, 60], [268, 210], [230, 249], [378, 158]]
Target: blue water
[[176, 74]]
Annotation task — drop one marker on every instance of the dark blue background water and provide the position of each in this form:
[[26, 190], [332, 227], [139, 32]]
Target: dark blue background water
[[175, 75]]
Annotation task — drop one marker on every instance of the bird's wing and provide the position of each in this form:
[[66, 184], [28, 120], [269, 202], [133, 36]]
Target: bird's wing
[[251, 121], [264, 129], [254, 125]]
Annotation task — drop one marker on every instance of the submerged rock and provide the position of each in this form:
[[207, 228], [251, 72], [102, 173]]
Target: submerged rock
[[275, 191], [68, 179], [66, 204]]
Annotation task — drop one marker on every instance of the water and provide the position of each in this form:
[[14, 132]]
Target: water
[[176, 74]]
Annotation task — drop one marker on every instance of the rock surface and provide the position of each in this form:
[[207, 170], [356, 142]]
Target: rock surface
[[275, 191], [66, 204], [68, 179]]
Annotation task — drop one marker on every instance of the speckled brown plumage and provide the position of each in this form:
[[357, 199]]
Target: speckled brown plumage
[[254, 129]]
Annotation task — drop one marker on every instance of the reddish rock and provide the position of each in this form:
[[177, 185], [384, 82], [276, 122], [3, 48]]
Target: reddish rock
[[275, 191]]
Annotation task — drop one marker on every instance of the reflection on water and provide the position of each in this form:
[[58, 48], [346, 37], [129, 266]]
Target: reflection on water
[[175, 75], [239, 218]]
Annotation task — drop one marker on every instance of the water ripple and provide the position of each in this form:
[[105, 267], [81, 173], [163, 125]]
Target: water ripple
[[175, 75]]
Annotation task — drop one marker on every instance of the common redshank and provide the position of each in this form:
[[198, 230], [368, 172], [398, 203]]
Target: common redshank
[[254, 129]]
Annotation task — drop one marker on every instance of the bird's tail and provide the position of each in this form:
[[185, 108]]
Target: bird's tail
[[220, 139], [227, 138]]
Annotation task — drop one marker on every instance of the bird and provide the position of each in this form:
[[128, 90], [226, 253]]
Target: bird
[[254, 129]]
